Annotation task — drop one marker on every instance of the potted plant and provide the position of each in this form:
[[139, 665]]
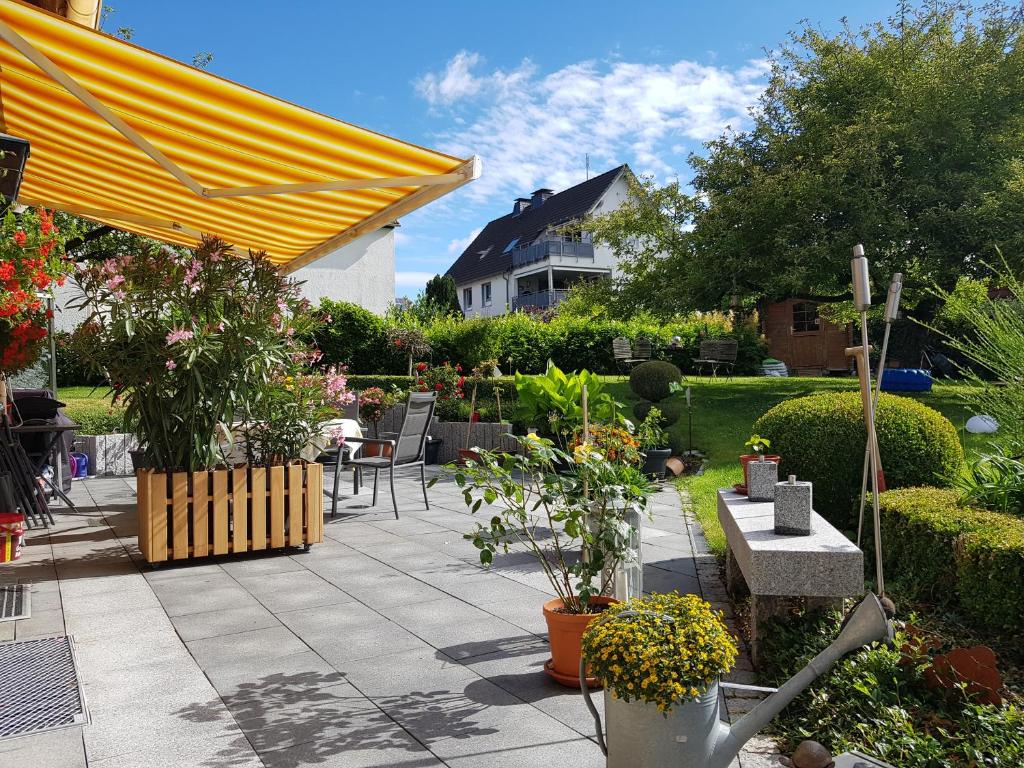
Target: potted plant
[[659, 659], [447, 380], [654, 446], [374, 403], [758, 446], [196, 343], [583, 509]]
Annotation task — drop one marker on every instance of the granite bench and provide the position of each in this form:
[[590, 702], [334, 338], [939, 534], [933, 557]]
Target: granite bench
[[824, 567]]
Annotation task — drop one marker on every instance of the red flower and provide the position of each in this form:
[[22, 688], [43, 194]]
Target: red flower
[[421, 367], [20, 237], [439, 386], [398, 342], [45, 248], [6, 270], [462, 381]]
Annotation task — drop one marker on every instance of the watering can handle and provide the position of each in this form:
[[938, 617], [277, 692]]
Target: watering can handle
[[593, 709]]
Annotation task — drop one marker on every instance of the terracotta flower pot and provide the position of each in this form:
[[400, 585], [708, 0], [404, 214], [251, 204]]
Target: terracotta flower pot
[[565, 633], [749, 457], [467, 455]]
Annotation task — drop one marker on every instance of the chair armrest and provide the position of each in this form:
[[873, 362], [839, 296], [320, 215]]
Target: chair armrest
[[371, 440]]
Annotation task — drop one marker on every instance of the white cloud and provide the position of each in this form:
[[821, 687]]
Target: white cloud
[[401, 238], [533, 129], [459, 244], [414, 280]]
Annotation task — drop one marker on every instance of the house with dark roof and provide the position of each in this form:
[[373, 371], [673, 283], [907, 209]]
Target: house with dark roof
[[530, 257]]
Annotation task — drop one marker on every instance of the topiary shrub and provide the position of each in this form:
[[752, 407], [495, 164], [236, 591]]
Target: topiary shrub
[[937, 550], [821, 438], [671, 410], [653, 380]]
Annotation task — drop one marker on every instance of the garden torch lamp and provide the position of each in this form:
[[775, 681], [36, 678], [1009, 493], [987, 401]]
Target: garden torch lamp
[[862, 302], [13, 156], [892, 308]]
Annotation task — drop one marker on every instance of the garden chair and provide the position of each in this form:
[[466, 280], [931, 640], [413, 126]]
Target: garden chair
[[642, 349], [407, 451], [717, 353], [625, 359], [340, 457]]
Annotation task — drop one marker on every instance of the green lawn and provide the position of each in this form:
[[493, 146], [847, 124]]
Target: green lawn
[[723, 412]]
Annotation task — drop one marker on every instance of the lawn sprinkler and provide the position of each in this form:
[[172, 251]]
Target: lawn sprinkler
[[862, 302], [892, 308], [693, 735]]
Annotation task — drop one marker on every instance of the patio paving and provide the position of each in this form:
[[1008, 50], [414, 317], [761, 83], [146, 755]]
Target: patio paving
[[387, 645]]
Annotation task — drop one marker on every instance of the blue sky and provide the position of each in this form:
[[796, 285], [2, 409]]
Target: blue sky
[[531, 87]]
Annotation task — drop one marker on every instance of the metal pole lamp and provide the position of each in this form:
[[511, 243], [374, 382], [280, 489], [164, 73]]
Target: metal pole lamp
[[14, 153], [892, 308]]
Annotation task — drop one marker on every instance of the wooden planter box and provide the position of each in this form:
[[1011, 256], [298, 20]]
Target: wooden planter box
[[186, 515]]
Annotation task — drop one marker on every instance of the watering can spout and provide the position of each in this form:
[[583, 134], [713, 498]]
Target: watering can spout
[[867, 623]]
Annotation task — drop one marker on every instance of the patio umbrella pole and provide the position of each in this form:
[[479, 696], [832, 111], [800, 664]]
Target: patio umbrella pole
[[892, 305], [862, 301]]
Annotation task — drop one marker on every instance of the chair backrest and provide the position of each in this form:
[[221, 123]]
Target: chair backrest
[[419, 411], [721, 350], [351, 410], [642, 349], [621, 348]]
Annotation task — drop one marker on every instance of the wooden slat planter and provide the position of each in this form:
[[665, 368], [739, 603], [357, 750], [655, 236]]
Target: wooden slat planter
[[186, 515]]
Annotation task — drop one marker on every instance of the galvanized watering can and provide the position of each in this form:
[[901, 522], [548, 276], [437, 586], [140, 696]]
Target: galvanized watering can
[[693, 735]]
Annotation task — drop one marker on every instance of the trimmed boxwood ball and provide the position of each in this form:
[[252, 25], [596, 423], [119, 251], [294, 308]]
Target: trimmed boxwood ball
[[671, 410], [652, 380], [821, 438]]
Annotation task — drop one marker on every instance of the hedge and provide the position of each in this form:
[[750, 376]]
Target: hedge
[[821, 438], [937, 550], [94, 417]]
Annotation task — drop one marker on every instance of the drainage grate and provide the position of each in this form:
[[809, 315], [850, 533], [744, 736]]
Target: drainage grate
[[39, 687], [15, 601]]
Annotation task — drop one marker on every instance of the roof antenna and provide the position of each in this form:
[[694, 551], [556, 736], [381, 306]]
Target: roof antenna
[[588, 165]]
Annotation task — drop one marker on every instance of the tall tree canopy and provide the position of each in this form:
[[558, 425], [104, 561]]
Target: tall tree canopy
[[442, 293], [907, 135]]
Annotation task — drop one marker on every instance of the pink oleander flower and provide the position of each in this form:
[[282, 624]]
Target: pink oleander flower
[[179, 335], [171, 365], [337, 436], [119, 295], [115, 281]]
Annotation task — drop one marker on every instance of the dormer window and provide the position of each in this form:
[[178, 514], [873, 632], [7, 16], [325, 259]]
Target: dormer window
[[511, 245]]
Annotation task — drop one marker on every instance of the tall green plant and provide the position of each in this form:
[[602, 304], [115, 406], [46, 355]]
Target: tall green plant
[[188, 340], [556, 398]]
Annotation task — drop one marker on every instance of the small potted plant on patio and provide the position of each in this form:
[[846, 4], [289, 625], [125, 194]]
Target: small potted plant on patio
[[374, 403], [556, 516], [654, 446], [660, 658], [195, 342], [758, 452]]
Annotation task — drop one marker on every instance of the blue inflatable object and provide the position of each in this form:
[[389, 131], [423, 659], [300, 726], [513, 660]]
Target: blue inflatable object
[[906, 380]]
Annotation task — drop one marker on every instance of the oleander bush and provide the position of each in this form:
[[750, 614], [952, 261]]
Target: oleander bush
[[821, 438], [940, 551], [653, 380]]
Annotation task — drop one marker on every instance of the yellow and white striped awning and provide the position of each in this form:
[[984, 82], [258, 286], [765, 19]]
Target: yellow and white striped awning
[[129, 138]]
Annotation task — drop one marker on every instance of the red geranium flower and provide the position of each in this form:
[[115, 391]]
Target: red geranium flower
[[20, 237]]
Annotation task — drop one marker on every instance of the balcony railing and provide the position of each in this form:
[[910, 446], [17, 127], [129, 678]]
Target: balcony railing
[[556, 250], [539, 300]]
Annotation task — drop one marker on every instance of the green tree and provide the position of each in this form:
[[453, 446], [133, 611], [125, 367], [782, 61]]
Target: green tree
[[442, 293], [906, 135]]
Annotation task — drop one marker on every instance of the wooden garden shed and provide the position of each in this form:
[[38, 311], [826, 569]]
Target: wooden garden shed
[[807, 343]]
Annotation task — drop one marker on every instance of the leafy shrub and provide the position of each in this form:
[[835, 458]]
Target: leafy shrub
[[73, 366], [523, 344], [485, 388], [653, 380], [671, 410], [876, 702], [821, 438], [940, 550], [468, 342], [356, 338], [95, 417], [556, 398]]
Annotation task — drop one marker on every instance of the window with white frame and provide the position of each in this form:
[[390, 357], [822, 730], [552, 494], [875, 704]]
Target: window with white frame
[[485, 295], [467, 298]]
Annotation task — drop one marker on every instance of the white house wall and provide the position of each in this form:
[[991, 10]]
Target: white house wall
[[499, 297]]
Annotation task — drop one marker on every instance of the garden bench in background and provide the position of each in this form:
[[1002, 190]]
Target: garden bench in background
[[717, 353], [824, 567]]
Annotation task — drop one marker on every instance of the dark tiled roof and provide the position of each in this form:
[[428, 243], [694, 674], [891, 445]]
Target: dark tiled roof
[[486, 254]]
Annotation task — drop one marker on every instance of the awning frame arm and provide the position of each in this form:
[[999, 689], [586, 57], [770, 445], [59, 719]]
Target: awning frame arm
[[339, 185]]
